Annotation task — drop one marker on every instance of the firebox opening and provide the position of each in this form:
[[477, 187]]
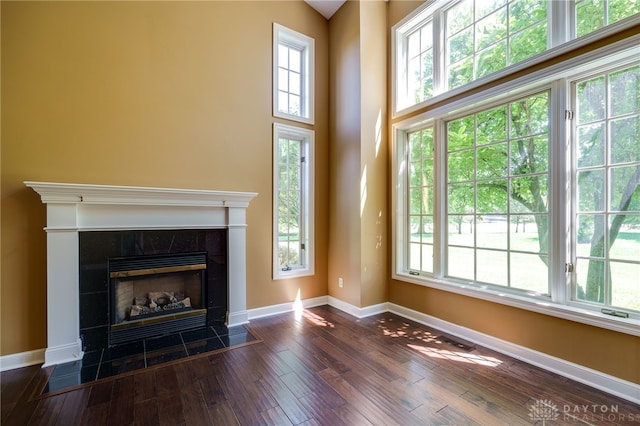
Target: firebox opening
[[155, 295]]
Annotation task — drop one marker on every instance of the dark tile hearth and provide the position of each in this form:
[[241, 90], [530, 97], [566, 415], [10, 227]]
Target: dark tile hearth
[[125, 358], [96, 248]]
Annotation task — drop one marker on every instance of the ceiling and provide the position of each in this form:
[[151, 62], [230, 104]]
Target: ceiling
[[326, 7]]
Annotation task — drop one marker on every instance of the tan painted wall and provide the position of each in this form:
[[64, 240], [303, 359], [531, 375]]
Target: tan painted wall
[[344, 153], [611, 352], [167, 94], [374, 156], [358, 158]]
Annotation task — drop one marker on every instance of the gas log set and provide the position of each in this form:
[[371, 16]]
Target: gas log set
[[158, 302]]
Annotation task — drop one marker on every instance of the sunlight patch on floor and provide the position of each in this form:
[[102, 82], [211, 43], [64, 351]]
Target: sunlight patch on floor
[[391, 329], [298, 308], [468, 358], [317, 319], [395, 329]]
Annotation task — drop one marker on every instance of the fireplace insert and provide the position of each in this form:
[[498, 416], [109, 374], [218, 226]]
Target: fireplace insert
[[155, 295]]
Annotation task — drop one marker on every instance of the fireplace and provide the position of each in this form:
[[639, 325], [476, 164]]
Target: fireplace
[[155, 295], [125, 216], [116, 267]]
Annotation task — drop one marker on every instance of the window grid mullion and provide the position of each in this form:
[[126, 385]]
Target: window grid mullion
[[438, 201], [301, 192], [559, 238], [438, 53], [608, 207]]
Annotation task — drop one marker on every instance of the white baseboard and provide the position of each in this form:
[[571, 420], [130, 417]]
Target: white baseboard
[[61, 354], [22, 359], [356, 311], [286, 307], [237, 318], [607, 383]]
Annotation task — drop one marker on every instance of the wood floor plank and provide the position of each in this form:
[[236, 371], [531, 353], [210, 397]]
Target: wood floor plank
[[498, 406], [236, 393], [484, 386], [48, 410], [25, 389], [302, 379], [297, 385], [393, 368], [144, 385], [381, 394], [194, 408], [324, 412], [170, 410], [306, 358], [74, 406], [350, 416], [248, 378], [145, 413], [371, 372], [321, 368], [368, 408], [13, 386], [166, 381], [429, 398], [475, 411], [222, 414], [123, 401], [212, 391], [100, 393], [97, 414], [286, 400], [269, 358], [276, 416], [451, 416]]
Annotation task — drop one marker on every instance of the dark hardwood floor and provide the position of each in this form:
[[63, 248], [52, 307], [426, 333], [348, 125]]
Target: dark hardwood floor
[[323, 368]]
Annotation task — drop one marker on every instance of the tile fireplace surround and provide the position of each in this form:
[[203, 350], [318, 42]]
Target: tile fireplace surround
[[74, 208]]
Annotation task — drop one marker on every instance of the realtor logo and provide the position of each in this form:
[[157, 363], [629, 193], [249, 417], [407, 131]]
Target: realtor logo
[[544, 410]]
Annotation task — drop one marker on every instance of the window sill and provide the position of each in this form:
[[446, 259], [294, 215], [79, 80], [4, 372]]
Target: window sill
[[293, 273], [622, 325], [291, 117]]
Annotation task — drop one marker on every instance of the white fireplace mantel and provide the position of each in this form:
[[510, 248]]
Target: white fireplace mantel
[[73, 208]]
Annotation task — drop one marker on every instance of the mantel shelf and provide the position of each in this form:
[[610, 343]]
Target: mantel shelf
[[70, 193]]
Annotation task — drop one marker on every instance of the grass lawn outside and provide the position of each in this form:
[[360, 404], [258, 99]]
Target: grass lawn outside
[[491, 263]]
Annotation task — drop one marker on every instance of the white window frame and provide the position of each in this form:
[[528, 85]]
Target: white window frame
[[557, 79], [306, 46], [607, 209], [306, 138], [560, 40]]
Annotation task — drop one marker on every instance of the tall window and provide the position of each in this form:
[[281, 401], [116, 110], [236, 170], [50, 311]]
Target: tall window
[[293, 201], [497, 195], [420, 182], [293, 62], [530, 195], [452, 43], [607, 176]]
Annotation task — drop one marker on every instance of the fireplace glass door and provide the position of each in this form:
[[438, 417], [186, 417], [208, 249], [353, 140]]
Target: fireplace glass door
[[156, 295]]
